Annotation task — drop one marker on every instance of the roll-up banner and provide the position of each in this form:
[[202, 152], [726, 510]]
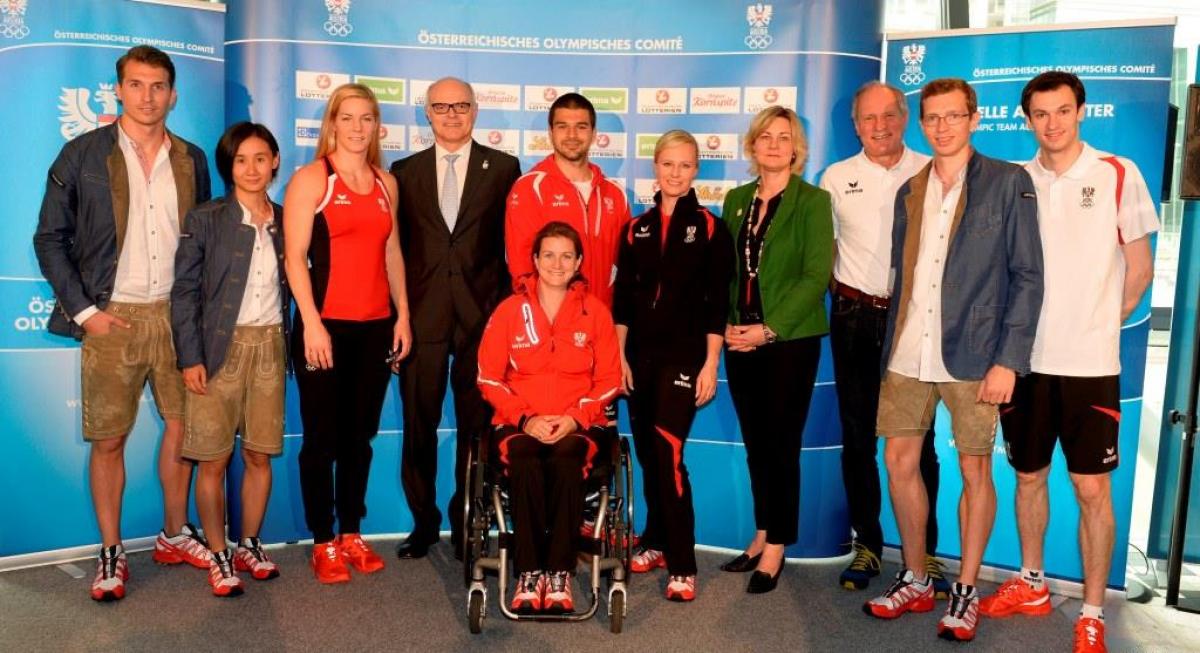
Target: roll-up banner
[[705, 66], [1126, 68], [58, 60]]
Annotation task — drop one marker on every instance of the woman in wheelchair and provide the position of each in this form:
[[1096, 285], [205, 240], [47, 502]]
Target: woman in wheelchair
[[548, 364]]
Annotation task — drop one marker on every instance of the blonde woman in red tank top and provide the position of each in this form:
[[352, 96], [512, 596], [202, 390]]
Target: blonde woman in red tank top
[[343, 262]]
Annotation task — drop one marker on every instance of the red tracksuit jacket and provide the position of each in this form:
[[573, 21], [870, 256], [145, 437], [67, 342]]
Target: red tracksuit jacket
[[544, 194], [529, 367]]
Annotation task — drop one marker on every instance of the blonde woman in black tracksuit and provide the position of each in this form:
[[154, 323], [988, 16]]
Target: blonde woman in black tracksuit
[[670, 304]]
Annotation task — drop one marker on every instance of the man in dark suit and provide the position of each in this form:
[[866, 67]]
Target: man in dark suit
[[451, 214]]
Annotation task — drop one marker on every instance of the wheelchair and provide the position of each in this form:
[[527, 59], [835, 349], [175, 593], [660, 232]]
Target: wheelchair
[[487, 540]]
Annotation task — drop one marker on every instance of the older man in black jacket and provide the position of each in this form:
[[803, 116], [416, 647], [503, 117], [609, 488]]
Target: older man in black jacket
[[451, 215]]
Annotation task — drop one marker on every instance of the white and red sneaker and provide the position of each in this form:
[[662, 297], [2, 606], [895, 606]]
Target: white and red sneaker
[[681, 588], [962, 615], [188, 546], [647, 560], [112, 570], [221, 576], [557, 599], [527, 596], [905, 595], [251, 557]]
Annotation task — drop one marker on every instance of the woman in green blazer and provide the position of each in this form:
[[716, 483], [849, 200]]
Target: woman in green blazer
[[783, 228]]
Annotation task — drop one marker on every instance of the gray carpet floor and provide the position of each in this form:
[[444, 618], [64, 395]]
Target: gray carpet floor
[[420, 606]]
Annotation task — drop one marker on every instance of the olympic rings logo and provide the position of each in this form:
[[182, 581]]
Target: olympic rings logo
[[18, 31], [758, 42], [912, 79], [339, 27]]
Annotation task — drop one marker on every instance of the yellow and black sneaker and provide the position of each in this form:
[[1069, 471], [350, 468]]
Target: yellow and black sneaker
[[862, 569], [936, 571]]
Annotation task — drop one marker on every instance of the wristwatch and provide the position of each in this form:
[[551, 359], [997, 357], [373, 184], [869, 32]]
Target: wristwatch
[[769, 333]]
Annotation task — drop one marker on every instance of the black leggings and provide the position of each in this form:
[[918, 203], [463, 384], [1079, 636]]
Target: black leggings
[[340, 410], [661, 409], [545, 495], [772, 387]]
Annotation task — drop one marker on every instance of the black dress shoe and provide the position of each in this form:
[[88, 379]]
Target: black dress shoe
[[741, 564], [761, 582], [411, 549]]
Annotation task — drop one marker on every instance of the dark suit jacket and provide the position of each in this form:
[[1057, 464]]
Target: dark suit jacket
[[456, 277]]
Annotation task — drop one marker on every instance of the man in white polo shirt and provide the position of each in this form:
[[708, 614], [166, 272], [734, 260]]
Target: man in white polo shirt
[[863, 188], [1094, 214]]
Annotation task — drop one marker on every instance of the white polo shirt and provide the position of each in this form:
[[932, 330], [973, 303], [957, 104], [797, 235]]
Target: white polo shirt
[[864, 200], [918, 352], [1079, 328]]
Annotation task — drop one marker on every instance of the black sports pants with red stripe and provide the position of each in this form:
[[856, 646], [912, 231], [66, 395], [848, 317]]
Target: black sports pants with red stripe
[[661, 409], [545, 495]]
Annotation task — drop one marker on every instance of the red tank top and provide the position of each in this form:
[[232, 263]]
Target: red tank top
[[349, 269]]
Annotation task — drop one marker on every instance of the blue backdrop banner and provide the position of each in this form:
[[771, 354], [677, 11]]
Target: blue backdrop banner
[[1127, 71], [59, 55], [705, 66]]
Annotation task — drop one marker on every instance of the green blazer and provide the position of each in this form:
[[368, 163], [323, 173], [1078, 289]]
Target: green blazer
[[797, 259]]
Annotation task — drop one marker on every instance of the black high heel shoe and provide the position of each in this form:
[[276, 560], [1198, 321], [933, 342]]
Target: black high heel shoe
[[761, 582], [741, 564]]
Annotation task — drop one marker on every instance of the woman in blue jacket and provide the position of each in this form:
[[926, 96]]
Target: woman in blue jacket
[[228, 315]]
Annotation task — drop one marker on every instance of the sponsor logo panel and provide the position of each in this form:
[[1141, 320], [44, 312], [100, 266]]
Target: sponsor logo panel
[[644, 190], [537, 142], [661, 100], [391, 137], [317, 85], [715, 99], [504, 97], [419, 138], [539, 98], [761, 97], [711, 192], [609, 145], [607, 100], [645, 145], [417, 88], [719, 147], [505, 140], [307, 132], [388, 90]]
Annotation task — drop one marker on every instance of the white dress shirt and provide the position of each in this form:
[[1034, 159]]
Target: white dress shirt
[[260, 302], [918, 352], [864, 200], [146, 265]]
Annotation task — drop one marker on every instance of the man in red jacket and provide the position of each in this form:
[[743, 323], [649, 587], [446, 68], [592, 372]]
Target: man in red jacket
[[566, 187]]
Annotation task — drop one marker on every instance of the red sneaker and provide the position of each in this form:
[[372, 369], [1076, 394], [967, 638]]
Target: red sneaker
[[1015, 596], [527, 596], [221, 576], [682, 588], [961, 618], [903, 596], [328, 565], [1089, 636], [188, 546], [358, 554], [251, 557], [112, 570], [647, 560], [557, 599]]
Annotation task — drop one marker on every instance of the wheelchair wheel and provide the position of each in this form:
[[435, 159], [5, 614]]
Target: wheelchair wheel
[[469, 535], [475, 612], [616, 612]]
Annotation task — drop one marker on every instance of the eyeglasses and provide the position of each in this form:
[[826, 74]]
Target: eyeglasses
[[445, 107], [951, 119]]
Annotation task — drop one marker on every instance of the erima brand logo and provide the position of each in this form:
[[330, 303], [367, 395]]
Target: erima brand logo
[[912, 56], [340, 199], [560, 200], [642, 232], [79, 115], [684, 381], [852, 188], [1110, 455]]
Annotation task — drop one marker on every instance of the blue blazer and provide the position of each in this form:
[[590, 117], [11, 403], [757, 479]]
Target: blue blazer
[[992, 285]]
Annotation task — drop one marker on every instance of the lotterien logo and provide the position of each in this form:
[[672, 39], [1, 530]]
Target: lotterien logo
[[317, 85], [339, 18], [391, 137], [388, 90], [759, 17], [912, 55], [610, 100], [13, 24], [76, 112]]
